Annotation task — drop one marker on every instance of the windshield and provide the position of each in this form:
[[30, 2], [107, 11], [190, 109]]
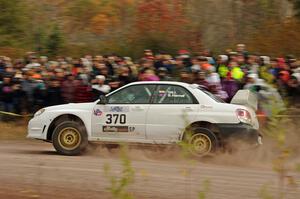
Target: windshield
[[214, 97]]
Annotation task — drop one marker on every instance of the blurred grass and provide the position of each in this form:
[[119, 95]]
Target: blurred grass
[[13, 130]]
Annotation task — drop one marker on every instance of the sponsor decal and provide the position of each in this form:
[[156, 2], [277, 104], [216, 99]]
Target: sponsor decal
[[174, 94], [98, 112], [206, 106], [170, 94], [117, 109], [131, 128], [161, 93], [120, 129]]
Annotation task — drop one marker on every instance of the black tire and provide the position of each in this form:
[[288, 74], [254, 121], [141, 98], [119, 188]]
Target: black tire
[[70, 138], [201, 142]]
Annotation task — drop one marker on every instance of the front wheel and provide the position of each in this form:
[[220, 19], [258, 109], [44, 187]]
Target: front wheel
[[69, 138], [202, 142]]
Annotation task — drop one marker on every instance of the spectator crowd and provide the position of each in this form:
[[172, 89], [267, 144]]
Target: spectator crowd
[[34, 81]]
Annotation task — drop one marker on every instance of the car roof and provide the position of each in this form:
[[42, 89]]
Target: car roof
[[160, 82], [186, 85]]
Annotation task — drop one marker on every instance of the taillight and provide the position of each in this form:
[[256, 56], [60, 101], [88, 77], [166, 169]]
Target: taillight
[[244, 116]]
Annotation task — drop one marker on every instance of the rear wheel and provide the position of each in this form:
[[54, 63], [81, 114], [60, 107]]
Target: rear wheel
[[202, 142], [69, 138]]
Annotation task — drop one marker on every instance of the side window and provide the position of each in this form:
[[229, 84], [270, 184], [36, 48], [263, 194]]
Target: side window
[[137, 94], [170, 94]]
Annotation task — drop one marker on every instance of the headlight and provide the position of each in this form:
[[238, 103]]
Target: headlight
[[244, 116], [39, 112]]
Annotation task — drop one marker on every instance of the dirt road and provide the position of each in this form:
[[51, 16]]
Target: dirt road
[[32, 169]]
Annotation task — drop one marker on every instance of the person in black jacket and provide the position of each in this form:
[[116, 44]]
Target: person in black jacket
[[54, 96], [7, 94], [19, 98], [40, 95]]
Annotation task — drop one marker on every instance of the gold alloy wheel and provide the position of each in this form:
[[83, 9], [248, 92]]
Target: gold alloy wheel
[[69, 138], [200, 144]]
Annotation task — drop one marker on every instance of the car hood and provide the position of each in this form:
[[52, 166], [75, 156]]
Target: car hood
[[81, 106]]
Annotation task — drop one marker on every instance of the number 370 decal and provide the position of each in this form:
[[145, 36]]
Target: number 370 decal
[[115, 118]]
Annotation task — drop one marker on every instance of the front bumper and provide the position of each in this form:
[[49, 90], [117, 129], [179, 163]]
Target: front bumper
[[37, 128], [242, 132]]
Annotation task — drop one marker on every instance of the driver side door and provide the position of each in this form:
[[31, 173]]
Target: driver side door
[[124, 115]]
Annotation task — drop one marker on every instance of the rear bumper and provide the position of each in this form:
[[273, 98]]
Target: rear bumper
[[242, 132]]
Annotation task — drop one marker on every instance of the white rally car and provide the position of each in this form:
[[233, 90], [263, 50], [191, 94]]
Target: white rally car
[[149, 113]]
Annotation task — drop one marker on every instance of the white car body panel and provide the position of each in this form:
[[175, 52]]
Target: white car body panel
[[136, 117], [169, 121], [146, 123], [81, 110]]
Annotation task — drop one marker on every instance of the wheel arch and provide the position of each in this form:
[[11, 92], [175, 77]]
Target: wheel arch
[[203, 124], [60, 118]]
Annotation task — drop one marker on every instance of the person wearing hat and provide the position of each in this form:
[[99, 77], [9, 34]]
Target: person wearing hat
[[222, 68], [100, 88], [250, 81], [162, 74], [204, 65]]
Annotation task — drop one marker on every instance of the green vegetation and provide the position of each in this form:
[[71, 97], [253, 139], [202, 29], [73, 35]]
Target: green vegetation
[[55, 42], [206, 188], [119, 183], [12, 22], [276, 130], [264, 193]]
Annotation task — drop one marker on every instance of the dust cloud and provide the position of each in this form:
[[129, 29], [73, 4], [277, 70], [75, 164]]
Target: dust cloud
[[242, 156]]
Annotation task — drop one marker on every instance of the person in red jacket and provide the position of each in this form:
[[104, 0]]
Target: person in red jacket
[[68, 89], [83, 91]]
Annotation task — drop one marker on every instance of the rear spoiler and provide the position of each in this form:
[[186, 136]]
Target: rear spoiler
[[246, 98]]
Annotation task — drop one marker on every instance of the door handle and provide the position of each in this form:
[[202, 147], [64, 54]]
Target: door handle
[[188, 108]]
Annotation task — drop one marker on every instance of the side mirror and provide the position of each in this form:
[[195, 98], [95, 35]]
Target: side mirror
[[103, 99]]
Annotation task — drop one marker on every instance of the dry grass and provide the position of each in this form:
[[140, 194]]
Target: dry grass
[[13, 130]]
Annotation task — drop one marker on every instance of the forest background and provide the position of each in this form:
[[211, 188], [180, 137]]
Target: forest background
[[126, 27]]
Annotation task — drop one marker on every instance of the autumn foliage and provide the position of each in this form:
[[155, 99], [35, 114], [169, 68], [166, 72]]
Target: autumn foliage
[[127, 27], [277, 39]]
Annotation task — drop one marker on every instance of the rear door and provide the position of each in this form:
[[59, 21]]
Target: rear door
[[124, 116], [173, 108]]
